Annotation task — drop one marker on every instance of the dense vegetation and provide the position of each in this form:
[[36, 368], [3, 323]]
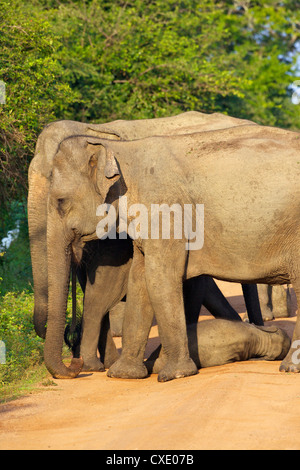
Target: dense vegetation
[[99, 60]]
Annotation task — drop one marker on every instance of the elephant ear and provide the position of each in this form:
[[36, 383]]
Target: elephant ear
[[104, 168], [105, 133]]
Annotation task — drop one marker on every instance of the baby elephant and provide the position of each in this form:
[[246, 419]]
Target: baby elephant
[[219, 341]]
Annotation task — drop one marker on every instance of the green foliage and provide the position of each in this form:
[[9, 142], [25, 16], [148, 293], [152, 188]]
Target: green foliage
[[35, 90], [137, 59], [94, 60], [24, 349], [142, 59], [15, 262]]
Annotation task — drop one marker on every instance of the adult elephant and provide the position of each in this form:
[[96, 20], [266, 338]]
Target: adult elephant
[[251, 233], [39, 180], [39, 177]]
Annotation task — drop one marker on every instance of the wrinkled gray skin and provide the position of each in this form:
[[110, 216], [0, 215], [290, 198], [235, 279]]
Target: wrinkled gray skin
[[39, 183], [275, 301], [217, 342], [251, 230]]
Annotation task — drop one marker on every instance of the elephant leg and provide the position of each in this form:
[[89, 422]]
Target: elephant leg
[[279, 302], [252, 304], [164, 271], [216, 303], [194, 290], [91, 327], [116, 317], [106, 345], [137, 322], [291, 362], [265, 295]]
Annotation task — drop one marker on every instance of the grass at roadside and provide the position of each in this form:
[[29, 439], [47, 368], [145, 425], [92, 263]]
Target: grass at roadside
[[23, 348], [24, 368], [24, 365]]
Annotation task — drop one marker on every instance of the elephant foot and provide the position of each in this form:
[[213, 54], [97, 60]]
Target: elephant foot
[[181, 369], [110, 358], [93, 365], [290, 365], [266, 316], [128, 369], [109, 361], [280, 314], [155, 366]]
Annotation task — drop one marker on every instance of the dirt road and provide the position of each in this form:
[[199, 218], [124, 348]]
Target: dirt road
[[246, 405]]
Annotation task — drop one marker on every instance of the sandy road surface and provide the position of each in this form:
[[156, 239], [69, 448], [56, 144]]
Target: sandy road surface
[[246, 405]]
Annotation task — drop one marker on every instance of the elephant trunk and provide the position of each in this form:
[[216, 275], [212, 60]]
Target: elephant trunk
[[37, 223], [59, 265]]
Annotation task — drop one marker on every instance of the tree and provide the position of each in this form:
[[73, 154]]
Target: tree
[[35, 90], [137, 59], [98, 60]]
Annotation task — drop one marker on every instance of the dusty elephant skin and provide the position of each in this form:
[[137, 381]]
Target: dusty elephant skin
[[275, 301], [39, 184], [217, 342], [107, 268], [107, 286], [251, 232]]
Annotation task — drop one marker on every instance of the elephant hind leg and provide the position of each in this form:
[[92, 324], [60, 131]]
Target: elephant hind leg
[[291, 363], [280, 302], [264, 294], [107, 348], [138, 318]]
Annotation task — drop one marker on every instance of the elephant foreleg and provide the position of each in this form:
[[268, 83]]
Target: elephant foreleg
[[252, 304], [137, 322], [291, 363], [165, 291], [216, 303]]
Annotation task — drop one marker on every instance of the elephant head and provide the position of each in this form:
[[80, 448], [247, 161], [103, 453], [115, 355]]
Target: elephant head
[[38, 188], [83, 176]]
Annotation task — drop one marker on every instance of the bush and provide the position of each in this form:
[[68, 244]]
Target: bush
[[24, 349], [24, 366]]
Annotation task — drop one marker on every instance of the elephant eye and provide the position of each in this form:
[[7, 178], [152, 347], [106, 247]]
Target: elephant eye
[[60, 203]]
